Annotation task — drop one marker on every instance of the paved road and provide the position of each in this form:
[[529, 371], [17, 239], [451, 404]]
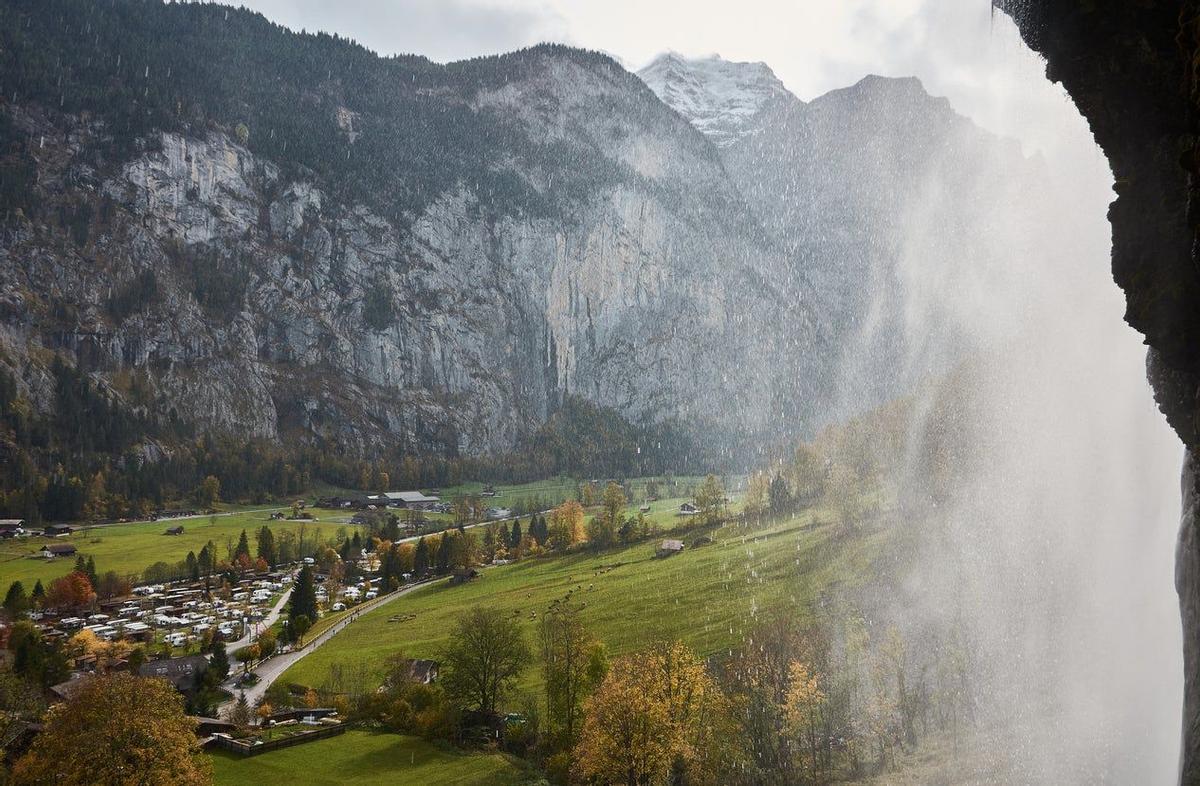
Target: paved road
[[263, 624], [270, 669]]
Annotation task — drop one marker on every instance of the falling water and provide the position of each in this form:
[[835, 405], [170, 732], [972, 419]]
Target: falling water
[[1056, 546]]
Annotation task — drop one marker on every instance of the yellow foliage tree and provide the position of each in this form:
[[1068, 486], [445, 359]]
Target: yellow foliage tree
[[656, 713], [117, 729], [803, 709], [565, 525]]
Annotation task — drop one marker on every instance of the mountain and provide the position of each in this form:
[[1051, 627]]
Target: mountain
[[214, 226], [718, 97], [888, 207]]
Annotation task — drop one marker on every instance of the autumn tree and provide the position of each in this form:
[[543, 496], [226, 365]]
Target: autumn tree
[[481, 662], [803, 708], [208, 493], [573, 664], [566, 525], [758, 493], [117, 728], [70, 591], [657, 715], [710, 499], [602, 529]]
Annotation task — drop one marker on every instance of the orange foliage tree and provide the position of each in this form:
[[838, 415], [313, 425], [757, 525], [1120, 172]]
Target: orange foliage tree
[[70, 591]]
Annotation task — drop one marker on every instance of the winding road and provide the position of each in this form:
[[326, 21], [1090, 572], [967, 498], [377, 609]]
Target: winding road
[[270, 669]]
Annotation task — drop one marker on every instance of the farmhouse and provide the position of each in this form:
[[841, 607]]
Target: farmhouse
[[174, 531], [52, 550], [413, 500], [420, 670], [688, 509], [668, 548], [463, 575], [11, 528], [57, 530]]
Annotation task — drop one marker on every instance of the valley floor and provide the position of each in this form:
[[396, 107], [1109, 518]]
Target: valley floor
[[366, 758]]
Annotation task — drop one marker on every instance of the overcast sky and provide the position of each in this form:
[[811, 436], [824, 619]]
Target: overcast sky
[[958, 48]]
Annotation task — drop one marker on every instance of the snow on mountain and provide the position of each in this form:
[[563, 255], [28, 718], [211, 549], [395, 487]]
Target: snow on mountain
[[717, 96]]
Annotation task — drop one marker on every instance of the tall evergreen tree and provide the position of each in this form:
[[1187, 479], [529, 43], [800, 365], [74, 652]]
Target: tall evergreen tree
[[243, 546], [266, 546], [303, 601], [220, 660], [445, 552], [39, 593], [193, 566], [421, 558], [91, 572], [514, 539], [15, 601]]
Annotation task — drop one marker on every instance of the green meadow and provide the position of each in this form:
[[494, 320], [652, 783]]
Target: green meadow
[[709, 596], [131, 548], [367, 758]]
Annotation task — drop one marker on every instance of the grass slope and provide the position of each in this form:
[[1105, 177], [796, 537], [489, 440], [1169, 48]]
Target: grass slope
[[131, 548], [708, 596], [365, 758]]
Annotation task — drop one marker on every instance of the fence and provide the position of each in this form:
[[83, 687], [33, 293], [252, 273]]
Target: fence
[[244, 748]]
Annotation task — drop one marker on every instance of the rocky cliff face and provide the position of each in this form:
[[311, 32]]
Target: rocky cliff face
[[886, 204], [258, 303], [254, 232], [1130, 67]]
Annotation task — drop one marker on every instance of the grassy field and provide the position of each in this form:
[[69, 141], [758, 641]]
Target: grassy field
[[709, 596], [365, 758], [131, 548]]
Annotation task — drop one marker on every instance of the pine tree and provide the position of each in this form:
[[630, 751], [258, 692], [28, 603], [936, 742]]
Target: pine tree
[[243, 546], [444, 552], [303, 601], [240, 714], [220, 660], [514, 539], [15, 601], [421, 558], [39, 593], [266, 546], [193, 566], [91, 572]]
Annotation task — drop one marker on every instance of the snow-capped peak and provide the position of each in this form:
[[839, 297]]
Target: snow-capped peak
[[717, 96]]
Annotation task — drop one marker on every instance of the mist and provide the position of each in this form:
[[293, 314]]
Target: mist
[[1053, 549]]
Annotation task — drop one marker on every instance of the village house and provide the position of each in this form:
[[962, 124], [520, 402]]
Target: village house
[[57, 530], [52, 550], [411, 500], [174, 531], [688, 509], [668, 548], [12, 528], [184, 673], [421, 670]]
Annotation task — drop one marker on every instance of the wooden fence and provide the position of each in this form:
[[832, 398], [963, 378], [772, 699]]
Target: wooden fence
[[245, 748]]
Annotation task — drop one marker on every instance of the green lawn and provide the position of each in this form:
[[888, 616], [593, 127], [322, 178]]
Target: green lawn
[[131, 548], [708, 596], [364, 758]]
